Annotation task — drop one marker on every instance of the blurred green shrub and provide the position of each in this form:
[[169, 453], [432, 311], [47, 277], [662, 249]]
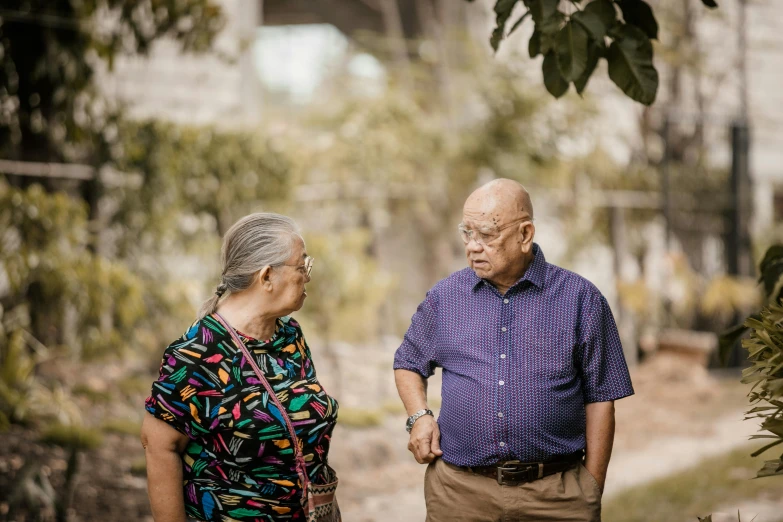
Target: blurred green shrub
[[133, 386], [765, 352], [62, 299], [122, 427], [82, 293], [182, 183], [347, 288], [138, 467], [360, 417], [93, 395], [393, 407], [727, 296], [72, 437]]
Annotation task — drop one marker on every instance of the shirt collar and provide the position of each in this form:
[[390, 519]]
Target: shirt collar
[[535, 273]]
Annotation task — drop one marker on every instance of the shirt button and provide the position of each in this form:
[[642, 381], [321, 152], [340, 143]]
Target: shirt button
[[502, 444], [502, 355], [505, 301], [503, 329], [500, 414], [501, 383]]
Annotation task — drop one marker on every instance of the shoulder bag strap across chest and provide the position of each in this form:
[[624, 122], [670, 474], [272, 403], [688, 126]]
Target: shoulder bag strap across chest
[[301, 467]]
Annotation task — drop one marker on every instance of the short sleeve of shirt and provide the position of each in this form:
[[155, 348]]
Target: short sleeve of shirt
[[600, 355], [180, 397], [417, 353]]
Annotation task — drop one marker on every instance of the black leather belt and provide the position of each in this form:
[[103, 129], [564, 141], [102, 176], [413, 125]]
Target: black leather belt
[[514, 472]]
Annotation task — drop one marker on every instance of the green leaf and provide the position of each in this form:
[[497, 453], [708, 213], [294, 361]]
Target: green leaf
[[727, 339], [541, 44], [771, 468], [542, 10], [592, 22], [593, 53], [773, 425], [603, 9], [553, 80], [503, 10], [765, 448], [551, 25], [631, 64], [517, 23], [771, 270], [712, 4], [572, 44], [504, 7], [640, 14], [534, 45]]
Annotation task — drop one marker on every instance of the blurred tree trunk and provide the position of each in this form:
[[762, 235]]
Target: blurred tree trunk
[[395, 39]]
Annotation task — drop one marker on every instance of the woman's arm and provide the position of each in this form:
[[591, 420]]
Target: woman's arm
[[163, 446]]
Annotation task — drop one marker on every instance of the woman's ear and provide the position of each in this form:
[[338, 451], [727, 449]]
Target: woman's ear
[[264, 278]]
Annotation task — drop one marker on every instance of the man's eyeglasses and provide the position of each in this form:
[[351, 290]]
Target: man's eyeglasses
[[484, 238]]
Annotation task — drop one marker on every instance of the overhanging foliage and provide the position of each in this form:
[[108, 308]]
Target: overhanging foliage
[[574, 36]]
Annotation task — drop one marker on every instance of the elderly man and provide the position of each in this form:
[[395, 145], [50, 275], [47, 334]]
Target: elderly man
[[532, 365]]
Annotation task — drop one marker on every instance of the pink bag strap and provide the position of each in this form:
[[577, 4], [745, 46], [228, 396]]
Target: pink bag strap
[[300, 462]]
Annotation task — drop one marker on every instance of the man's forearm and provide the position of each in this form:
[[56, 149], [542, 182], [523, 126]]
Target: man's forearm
[[600, 438], [164, 477], [412, 388]]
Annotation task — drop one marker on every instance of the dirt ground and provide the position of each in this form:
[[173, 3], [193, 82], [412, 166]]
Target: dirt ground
[[380, 481]]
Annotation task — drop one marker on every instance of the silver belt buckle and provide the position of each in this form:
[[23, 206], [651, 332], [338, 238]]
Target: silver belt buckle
[[501, 468], [539, 467]]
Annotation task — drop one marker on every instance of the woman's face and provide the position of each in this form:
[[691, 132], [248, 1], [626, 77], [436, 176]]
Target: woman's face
[[290, 280]]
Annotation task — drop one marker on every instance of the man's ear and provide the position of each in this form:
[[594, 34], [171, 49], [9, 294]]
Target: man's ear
[[527, 232]]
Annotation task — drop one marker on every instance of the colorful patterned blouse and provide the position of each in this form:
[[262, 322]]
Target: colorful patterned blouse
[[239, 463]]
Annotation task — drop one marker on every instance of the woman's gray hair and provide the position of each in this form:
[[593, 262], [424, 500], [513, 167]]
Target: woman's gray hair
[[252, 243]]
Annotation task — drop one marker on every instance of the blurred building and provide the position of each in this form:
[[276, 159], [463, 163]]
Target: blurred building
[[765, 78], [220, 87]]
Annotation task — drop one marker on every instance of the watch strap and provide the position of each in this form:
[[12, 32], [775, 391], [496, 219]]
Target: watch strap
[[416, 416]]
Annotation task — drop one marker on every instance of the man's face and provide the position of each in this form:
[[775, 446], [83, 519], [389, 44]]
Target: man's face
[[495, 246]]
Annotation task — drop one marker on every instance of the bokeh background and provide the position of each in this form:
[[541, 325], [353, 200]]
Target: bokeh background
[[133, 134]]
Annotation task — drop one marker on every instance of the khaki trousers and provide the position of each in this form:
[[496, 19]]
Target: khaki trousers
[[456, 495]]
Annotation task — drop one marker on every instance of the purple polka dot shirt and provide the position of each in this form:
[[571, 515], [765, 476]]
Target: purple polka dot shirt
[[518, 368]]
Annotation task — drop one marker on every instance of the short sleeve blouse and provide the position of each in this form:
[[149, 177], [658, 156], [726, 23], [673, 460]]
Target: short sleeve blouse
[[239, 462]]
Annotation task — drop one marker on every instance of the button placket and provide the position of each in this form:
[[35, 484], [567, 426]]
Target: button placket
[[505, 346]]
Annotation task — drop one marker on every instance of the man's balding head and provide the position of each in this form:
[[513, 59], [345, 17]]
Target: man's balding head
[[501, 198], [497, 224]]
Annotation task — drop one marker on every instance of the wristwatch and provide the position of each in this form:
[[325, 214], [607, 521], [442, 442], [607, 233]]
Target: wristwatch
[[413, 418]]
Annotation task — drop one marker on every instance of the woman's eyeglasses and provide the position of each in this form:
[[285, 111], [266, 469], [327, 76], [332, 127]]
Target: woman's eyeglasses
[[306, 268]]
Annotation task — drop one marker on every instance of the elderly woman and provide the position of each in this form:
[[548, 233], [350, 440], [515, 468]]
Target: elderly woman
[[239, 426]]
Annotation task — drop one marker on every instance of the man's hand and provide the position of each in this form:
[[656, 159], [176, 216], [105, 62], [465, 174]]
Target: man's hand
[[600, 437], [599, 478], [425, 440], [425, 435]]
